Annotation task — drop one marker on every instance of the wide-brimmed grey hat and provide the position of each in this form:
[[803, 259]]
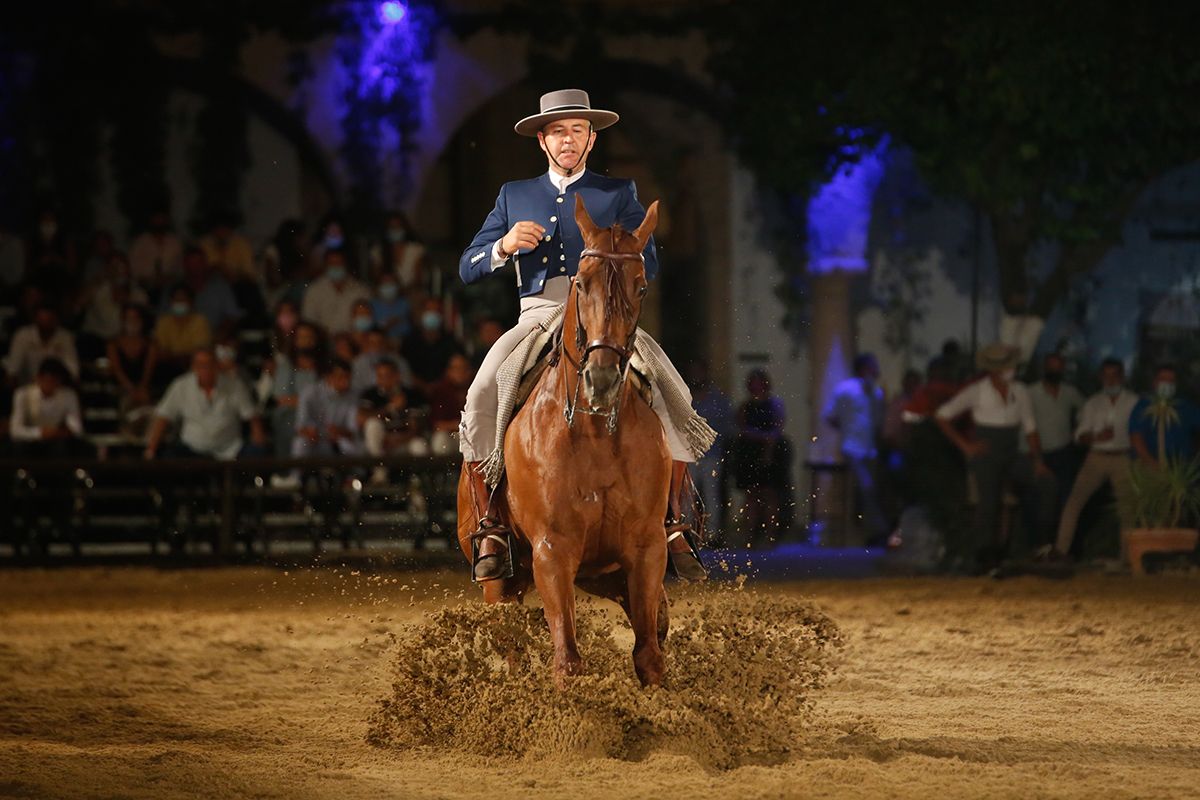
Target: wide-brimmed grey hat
[[566, 104], [997, 356]]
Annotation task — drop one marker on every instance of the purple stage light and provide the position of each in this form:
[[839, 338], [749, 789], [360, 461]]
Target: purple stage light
[[391, 12]]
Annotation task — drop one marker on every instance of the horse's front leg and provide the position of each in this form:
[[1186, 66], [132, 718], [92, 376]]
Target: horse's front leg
[[645, 596], [555, 565]]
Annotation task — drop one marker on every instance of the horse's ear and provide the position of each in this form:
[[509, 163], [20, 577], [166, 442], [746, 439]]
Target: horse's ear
[[646, 229], [583, 219]]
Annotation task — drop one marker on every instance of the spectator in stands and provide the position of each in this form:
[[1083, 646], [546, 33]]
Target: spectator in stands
[[156, 255], [362, 321], [715, 406], [212, 296], [1164, 425], [330, 299], [283, 264], [486, 334], [332, 235], [294, 369], [283, 332], [429, 349], [1056, 406], [343, 347], [1103, 428], [447, 399], [231, 255], [391, 309], [53, 263], [34, 343], [100, 253], [762, 455], [376, 348], [103, 303], [327, 416], [228, 368], [180, 332], [388, 424], [400, 254], [12, 263], [46, 420], [855, 411], [209, 414], [131, 359], [999, 406]]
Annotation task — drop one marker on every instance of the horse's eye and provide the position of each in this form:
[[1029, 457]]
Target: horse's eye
[[581, 286], [642, 291]]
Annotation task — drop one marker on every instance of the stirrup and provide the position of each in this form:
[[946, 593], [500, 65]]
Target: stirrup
[[486, 531], [689, 536]]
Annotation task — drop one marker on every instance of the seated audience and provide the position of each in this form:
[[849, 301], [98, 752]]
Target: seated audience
[[132, 356], [180, 332], [447, 398], [103, 303], [362, 321], [429, 349], [156, 255], [212, 296], [293, 371], [46, 419], [400, 254], [208, 413], [283, 265], [228, 368], [34, 343], [331, 298], [390, 308], [388, 424], [232, 256], [376, 347], [327, 416]]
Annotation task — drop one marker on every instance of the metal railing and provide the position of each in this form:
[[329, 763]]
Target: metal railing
[[177, 501]]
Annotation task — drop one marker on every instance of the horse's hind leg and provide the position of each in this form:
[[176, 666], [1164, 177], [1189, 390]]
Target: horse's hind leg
[[646, 597], [554, 574]]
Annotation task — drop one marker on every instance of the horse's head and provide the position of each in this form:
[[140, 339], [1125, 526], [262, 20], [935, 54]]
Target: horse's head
[[608, 293]]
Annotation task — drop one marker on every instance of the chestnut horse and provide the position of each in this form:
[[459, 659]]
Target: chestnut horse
[[587, 464]]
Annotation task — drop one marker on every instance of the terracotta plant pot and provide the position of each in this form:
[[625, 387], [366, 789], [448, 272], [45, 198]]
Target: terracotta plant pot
[[1140, 541]]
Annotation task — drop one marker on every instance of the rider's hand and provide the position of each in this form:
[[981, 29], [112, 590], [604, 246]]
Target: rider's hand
[[522, 236]]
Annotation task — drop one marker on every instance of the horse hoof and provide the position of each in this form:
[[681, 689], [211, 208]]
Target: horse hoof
[[489, 568], [688, 567]]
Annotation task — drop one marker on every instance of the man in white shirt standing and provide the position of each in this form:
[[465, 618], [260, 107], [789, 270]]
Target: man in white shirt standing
[[856, 412], [1001, 410], [1104, 429], [1055, 408]]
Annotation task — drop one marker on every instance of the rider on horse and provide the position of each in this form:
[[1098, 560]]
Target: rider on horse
[[533, 225]]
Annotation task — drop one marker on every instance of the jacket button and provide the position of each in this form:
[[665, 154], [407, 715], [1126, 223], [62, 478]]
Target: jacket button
[[547, 237], [554, 219], [558, 199], [562, 258], [562, 269], [545, 259]]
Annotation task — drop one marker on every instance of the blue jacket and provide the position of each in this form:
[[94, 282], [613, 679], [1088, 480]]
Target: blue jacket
[[608, 201]]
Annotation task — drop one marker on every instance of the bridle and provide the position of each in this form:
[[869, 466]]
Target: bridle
[[616, 301]]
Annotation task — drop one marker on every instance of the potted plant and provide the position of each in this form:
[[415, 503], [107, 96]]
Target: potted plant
[[1159, 512]]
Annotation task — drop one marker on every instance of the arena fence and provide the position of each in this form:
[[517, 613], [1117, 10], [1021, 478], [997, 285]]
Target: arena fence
[[252, 504]]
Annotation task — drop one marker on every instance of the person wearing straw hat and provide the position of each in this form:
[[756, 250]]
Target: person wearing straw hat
[[533, 227], [1001, 411]]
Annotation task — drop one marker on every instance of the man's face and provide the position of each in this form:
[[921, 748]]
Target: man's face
[[205, 368], [1164, 376], [1112, 376], [46, 322], [458, 371], [566, 141], [376, 342], [47, 384], [387, 378], [339, 381]]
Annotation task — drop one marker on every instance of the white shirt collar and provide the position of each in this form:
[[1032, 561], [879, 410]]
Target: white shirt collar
[[561, 182]]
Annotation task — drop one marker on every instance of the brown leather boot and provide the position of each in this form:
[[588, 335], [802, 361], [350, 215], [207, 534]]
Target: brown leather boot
[[491, 554], [684, 560]]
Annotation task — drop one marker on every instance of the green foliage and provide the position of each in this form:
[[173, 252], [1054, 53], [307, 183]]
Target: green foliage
[[1048, 117], [1163, 496]]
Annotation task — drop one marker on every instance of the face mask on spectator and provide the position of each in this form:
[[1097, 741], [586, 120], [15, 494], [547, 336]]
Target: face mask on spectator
[[388, 291], [363, 324], [1166, 389], [225, 353], [180, 308], [336, 273], [333, 241], [396, 235], [286, 320], [431, 321], [1113, 391]]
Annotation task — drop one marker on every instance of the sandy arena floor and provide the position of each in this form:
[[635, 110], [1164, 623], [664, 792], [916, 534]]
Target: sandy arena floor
[[137, 683]]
